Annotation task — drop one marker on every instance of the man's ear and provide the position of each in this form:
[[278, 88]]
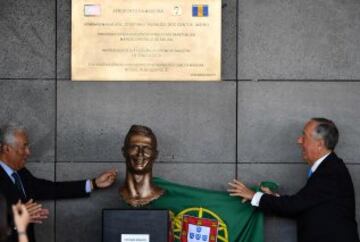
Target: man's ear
[[5, 148], [321, 144]]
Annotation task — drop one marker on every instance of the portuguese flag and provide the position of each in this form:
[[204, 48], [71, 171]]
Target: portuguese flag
[[205, 215]]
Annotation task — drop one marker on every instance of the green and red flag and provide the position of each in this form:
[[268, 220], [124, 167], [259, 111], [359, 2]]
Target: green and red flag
[[204, 215]]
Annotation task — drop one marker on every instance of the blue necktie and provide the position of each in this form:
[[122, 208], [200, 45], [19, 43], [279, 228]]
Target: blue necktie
[[18, 183], [309, 172]]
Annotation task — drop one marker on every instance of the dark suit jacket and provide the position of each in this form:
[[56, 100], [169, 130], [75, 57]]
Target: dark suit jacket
[[324, 208], [37, 189]]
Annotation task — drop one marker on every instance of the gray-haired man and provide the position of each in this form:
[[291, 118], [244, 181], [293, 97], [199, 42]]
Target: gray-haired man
[[17, 183], [325, 207]]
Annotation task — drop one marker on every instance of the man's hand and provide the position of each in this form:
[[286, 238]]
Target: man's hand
[[21, 217], [106, 179], [36, 212], [238, 189], [268, 191]]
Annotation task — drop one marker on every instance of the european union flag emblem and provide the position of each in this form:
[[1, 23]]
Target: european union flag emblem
[[200, 10]]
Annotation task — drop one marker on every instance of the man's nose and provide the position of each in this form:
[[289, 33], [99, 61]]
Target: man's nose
[[140, 152], [28, 151], [300, 139]]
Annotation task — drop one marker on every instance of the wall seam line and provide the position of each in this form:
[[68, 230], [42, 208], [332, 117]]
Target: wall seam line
[[56, 112]]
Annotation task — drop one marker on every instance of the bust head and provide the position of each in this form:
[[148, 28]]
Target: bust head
[[140, 149], [140, 152]]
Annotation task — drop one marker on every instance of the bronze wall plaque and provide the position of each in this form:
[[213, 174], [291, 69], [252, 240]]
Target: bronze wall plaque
[[157, 40]]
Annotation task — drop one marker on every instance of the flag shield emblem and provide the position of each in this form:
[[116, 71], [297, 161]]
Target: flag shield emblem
[[198, 224], [196, 229], [205, 237]]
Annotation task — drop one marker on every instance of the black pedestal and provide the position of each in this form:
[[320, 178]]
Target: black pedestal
[[140, 223]]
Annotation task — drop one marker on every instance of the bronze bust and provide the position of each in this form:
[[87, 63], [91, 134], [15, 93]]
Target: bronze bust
[[140, 152]]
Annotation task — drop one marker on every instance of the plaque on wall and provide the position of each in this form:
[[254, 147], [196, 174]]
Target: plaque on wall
[[157, 40]]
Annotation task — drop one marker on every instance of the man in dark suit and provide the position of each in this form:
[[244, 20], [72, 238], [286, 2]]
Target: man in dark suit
[[325, 207], [17, 183]]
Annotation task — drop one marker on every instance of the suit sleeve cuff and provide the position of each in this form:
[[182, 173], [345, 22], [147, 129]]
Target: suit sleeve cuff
[[255, 201], [88, 186]]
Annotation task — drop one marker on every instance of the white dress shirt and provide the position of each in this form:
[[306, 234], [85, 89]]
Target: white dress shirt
[[9, 171]]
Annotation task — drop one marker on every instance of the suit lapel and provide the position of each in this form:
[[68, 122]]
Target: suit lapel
[[325, 164], [9, 188]]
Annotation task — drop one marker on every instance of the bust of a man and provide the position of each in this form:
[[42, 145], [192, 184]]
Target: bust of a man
[[140, 152]]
